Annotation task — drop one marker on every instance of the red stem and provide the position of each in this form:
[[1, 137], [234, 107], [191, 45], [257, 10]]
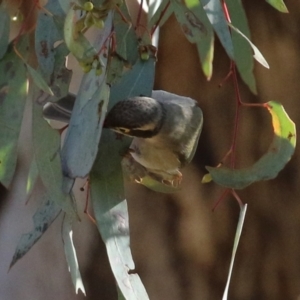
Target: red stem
[[160, 17], [224, 194], [138, 19]]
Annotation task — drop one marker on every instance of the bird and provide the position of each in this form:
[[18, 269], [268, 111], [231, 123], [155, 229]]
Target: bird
[[165, 129]]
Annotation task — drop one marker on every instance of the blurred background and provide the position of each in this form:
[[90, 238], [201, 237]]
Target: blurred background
[[181, 248]]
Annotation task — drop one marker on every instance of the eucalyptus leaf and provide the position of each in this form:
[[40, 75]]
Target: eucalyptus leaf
[[42, 219], [71, 257], [235, 245], [46, 35], [32, 177], [159, 13], [106, 184], [75, 40], [271, 163], [38, 80], [46, 143], [81, 143], [279, 5], [257, 54], [13, 92], [4, 29], [217, 19], [242, 48]]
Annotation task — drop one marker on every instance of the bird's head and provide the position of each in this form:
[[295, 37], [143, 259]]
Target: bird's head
[[137, 117]]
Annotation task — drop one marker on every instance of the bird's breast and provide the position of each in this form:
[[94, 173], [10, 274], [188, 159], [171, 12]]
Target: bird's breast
[[154, 157]]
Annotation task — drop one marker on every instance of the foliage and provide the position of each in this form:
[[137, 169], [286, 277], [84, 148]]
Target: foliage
[[118, 64]]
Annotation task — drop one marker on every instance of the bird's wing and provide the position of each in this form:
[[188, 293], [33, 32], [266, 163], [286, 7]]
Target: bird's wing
[[60, 110], [194, 121], [163, 96]]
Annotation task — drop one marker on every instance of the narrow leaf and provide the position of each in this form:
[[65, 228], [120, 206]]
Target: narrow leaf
[[235, 245], [71, 257], [242, 48], [13, 92], [38, 80], [279, 5], [32, 177], [257, 54], [271, 163], [46, 142], [77, 43], [192, 3], [107, 191], [4, 29], [217, 19], [42, 219], [197, 29], [81, 143], [159, 14]]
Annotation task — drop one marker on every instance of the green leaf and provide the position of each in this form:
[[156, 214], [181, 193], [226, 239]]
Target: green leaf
[[4, 29], [42, 219], [192, 3], [126, 39], [242, 48], [217, 19], [107, 191], [47, 33], [46, 143], [235, 245], [205, 45], [159, 14], [32, 177], [38, 80], [257, 54], [13, 92], [279, 5], [197, 29], [271, 163], [77, 43], [61, 76], [82, 139], [71, 257]]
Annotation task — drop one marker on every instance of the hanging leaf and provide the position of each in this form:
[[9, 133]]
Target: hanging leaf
[[47, 33], [32, 177], [13, 92], [217, 19], [61, 77], [75, 40], [159, 13], [242, 48], [192, 3], [81, 143], [197, 29], [235, 245], [4, 29], [106, 184], [70, 252], [126, 39], [38, 80], [42, 219], [271, 163], [257, 54], [46, 143], [279, 5]]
